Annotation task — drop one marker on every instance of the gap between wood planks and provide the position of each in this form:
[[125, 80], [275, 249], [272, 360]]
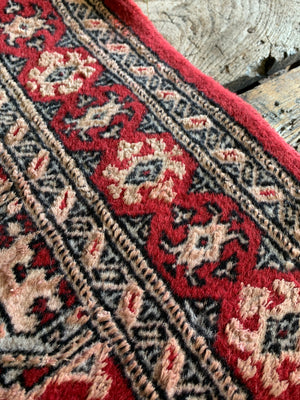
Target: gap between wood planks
[[277, 98], [239, 44]]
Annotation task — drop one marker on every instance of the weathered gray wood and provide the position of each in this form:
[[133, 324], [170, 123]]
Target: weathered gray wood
[[278, 100], [237, 42]]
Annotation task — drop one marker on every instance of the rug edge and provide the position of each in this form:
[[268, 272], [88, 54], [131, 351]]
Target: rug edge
[[234, 106]]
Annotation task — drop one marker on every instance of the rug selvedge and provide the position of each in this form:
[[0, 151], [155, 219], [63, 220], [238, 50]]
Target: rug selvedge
[[155, 230]]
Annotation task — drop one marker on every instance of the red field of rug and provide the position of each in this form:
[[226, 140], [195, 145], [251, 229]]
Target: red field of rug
[[149, 219]]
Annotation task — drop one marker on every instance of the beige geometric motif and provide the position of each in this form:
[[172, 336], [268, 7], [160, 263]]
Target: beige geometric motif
[[18, 298], [169, 366], [8, 197], [93, 250], [230, 155], [14, 228], [118, 48], [17, 301], [95, 24], [73, 318], [144, 171], [196, 122], [130, 304], [63, 204], [142, 71], [167, 95], [126, 150], [3, 98], [5, 185], [203, 243], [18, 252], [268, 194], [2, 331], [60, 74], [255, 301], [16, 132], [14, 206], [38, 165], [22, 27], [98, 116], [163, 191]]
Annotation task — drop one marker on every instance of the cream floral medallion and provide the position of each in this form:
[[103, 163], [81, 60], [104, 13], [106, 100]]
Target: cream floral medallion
[[22, 27], [56, 71], [204, 243], [145, 171], [275, 345]]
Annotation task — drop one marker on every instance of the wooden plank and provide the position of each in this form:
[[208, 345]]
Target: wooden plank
[[236, 42], [278, 100]]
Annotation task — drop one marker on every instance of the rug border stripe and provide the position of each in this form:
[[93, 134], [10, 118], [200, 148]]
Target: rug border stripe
[[237, 108]]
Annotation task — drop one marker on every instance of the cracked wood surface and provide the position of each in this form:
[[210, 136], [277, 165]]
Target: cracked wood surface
[[237, 42], [278, 100]]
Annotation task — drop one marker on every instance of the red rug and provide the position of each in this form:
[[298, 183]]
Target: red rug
[[149, 219]]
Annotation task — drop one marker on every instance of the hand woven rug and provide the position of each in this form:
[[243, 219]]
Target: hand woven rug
[[149, 219]]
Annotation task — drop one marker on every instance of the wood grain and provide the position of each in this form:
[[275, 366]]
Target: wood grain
[[278, 100], [237, 42]]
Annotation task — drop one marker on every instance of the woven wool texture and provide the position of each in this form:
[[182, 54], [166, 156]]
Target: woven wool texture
[[149, 219]]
